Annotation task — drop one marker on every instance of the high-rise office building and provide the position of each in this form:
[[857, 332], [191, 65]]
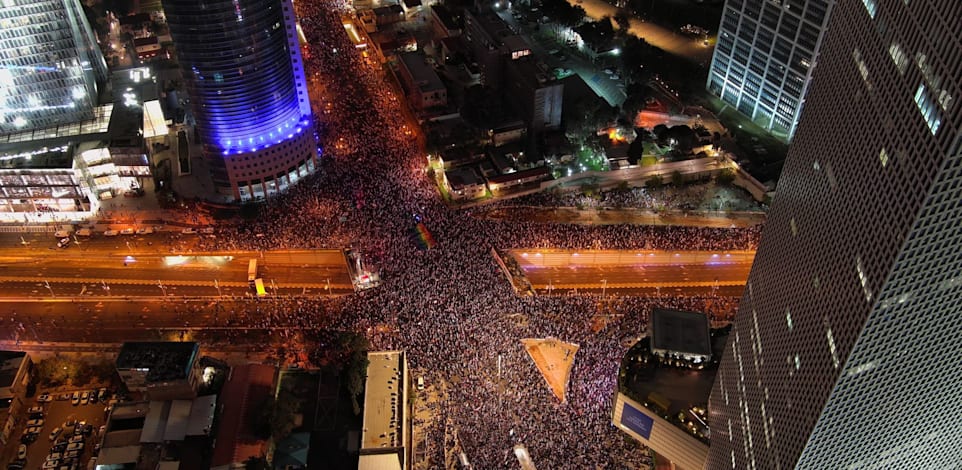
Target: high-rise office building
[[243, 71], [51, 68], [763, 60], [844, 353]]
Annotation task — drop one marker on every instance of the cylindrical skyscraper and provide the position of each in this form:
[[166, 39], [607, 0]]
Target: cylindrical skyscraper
[[245, 79]]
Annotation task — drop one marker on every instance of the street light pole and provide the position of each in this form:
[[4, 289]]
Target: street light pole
[[219, 294], [163, 288], [604, 287], [49, 288]]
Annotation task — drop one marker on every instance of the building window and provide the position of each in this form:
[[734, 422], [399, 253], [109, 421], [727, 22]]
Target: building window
[[928, 108], [884, 157], [871, 6], [899, 57]]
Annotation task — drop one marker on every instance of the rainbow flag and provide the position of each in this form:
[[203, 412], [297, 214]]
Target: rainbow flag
[[422, 236]]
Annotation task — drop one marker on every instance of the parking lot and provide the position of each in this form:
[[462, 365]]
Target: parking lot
[[56, 414]]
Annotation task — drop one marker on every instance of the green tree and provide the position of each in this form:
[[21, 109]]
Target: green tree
[[726, 176], [677, 178], [284, 419], [57, 371], [623, 21]]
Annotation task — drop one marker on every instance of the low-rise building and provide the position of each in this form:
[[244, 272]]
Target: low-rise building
[[247, 388], [388, 15], [464, 184], [162, 370], [422, 85], [15, 367], [443, 22], [386, 429], [518, 178]]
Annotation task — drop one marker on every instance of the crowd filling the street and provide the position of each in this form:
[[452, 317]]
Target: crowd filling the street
[[449, 306], [446, 303]]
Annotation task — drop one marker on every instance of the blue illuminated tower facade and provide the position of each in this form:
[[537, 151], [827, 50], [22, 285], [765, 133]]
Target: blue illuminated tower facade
[[51, 68], [764, 58], [244, 74]]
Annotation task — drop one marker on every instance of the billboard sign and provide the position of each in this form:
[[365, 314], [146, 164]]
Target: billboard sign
[[634, 419]]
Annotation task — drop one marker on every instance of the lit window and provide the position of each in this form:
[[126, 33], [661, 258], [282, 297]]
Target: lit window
[[899, 57], [831, 346], [788, 319], [928, 108], [884, 157], [862, 68], [871, 6]]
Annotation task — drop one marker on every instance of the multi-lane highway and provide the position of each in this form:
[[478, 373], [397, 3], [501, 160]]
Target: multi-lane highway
[[76, 274], [688, 273]]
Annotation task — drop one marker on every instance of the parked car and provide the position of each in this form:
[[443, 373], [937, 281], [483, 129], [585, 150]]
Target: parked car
[[54, 456], [51, 464], [88, 429], [102, 394], [75, 398], [75, 438], [63, 397], [44, 398], [127, 231], [111, 233], [72, 454], [56, 432], [22, 451], [207, 230], [188, 231], [35, 409], [75, 446], [59, 447], [145, 231], [33, 430], [28, 438], [35, 422]]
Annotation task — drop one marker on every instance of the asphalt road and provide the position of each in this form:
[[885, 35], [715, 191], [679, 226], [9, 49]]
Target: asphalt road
[[692, 274], [103, 267], [659, 36]]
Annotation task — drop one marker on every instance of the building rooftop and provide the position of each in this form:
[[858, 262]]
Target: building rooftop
[[462, 177], [92, 129], [493, 26], [163, 360], [246, 390], [445, 16], [679, 331], [424, 76], [383, 400], [669, 389], [42, 158], [533, 73], [10, 362]]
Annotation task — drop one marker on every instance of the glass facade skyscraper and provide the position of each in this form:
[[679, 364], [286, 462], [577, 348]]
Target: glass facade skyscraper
[[764, 57], [244, 75], [844, 353], [51, 68]]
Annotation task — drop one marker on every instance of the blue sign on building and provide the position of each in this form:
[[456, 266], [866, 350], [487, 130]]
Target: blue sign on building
[[637, 421]]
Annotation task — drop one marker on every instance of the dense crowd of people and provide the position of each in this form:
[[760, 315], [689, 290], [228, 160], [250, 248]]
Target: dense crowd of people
[[450, 307]]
